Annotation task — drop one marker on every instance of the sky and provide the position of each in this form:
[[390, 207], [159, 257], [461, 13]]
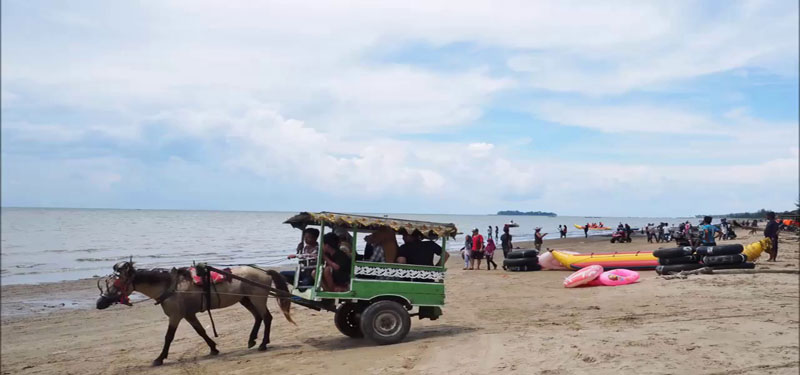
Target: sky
[[613, 108]]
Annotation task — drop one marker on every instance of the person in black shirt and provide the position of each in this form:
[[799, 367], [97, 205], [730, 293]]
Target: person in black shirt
[[771, 232], [416, 251], [586, 231], [336, 274], [505, 242]]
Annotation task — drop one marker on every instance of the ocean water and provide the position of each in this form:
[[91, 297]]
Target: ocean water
[[49, 245]]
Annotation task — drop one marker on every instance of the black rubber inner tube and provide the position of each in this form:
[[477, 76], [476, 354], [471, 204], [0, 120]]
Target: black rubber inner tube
[[689, 259], [735, 266], [675, 268], [724, 259], [720, 250], [517, 254], [534, 267], [673, 252], [519, 262]]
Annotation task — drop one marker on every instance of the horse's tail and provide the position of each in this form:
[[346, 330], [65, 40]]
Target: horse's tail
[[283, 302]]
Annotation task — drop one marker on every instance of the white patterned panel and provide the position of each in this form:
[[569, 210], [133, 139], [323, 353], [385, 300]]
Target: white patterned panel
[[399, 273]]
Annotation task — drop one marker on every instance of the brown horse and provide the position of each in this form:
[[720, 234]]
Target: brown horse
[[181, 299]]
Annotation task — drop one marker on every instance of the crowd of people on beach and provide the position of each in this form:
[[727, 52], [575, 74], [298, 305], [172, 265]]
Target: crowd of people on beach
[[381, 246], [475, 249]]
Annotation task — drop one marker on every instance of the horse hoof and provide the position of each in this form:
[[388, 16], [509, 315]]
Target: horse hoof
[[251, 344], [158, 362], [262, 348], [214, 352]]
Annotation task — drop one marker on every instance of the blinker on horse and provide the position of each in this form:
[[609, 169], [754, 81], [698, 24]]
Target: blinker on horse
[[181, 299]]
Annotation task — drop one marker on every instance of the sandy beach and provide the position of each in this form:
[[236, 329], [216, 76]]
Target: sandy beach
[[494, 322]]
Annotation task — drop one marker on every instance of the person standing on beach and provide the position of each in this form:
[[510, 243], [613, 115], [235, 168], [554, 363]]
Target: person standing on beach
[[496, 232], [538, 239], [564, 232], [771, 232], [477, 249], [586, 231], [707, 230], [505, 242], [467, 251], [490, 232], [490, 248]]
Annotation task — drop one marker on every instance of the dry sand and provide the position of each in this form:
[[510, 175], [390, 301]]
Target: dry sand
[[494, 322]]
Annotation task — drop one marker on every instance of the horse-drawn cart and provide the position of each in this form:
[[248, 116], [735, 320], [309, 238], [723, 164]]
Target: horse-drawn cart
[[382, 296], [377, 300]]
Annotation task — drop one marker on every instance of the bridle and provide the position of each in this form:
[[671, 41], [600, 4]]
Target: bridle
[[122, 288]]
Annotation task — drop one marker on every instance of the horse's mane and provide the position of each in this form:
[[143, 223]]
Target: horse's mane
[[158, 275]]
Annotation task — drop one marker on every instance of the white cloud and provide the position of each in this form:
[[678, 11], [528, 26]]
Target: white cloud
[[480, 149], [292, 93], [625, 118], [739, 35]]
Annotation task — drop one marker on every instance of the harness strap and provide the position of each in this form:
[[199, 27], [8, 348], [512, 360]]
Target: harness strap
[[207, 290], [170, 290]]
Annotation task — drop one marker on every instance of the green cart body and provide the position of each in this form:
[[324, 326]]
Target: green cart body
[[381, 296]]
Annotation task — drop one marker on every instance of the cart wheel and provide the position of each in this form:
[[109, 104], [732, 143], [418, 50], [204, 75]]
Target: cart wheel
[[385, 322], [348, 319]]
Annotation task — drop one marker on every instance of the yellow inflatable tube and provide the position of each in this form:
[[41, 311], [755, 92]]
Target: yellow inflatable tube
[[632, 260], [754, 250]]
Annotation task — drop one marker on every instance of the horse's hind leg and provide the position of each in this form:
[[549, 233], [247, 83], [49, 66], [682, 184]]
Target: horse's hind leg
[[173, 326], [192, 319], [261, 306], [254, 332]]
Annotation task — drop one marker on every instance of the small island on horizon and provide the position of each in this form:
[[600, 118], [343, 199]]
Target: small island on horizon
[[529, 213]]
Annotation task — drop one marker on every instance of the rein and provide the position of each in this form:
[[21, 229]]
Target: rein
[[124, 297]]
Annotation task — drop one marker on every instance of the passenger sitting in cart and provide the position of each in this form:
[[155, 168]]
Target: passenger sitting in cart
[[307, 256], [416, 251], [345, 240], [381, 246], [336, 274], [373, 252]]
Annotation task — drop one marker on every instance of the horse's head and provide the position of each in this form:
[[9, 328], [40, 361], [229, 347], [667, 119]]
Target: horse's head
[[119, 286]]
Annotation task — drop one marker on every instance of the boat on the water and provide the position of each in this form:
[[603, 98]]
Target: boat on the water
[[591, 228], [511, 225], [633, 260]]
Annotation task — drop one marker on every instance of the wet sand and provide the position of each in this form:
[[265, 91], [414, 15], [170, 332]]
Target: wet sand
[[494, 322]]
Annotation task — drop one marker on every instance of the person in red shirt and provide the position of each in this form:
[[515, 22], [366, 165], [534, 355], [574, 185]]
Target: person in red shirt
[[477, 249]]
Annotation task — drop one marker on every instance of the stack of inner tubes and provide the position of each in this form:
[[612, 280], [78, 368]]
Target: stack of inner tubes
[[687, 258], [522, 260]]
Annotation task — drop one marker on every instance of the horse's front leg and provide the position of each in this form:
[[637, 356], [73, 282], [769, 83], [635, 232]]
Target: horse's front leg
[[173, 326], [192, 319]]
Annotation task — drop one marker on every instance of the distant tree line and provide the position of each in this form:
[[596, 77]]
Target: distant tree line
[[529, 213], [760, 214]]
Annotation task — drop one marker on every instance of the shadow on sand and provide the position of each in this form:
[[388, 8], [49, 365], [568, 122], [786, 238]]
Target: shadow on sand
[[342, 343], [329, 343]]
